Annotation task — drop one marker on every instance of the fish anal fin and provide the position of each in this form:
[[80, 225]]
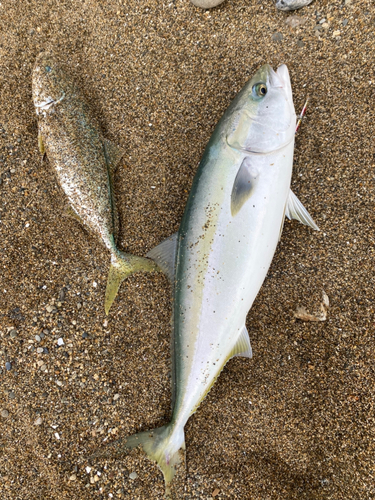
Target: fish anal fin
[[242, 346], [295, 210], [70, 212], [41, 144], [165, 256], [113, 155], [244, 184]]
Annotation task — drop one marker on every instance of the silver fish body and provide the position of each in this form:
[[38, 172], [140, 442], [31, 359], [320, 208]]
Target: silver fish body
[[225, 244], [84, 162]]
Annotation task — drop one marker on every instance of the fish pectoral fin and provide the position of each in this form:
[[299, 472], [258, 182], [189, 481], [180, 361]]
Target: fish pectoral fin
[[243, 346], [244, 184], [295, 210], [165, 256], [113, 155]]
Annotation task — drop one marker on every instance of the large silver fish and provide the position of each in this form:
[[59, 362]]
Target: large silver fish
[[221, 254], [84, 161]]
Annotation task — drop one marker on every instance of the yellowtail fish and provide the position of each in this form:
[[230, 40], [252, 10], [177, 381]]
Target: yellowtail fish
[[84, 162], [220, 256]]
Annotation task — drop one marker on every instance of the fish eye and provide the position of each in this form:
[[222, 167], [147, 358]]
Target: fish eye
[[260, 89], [48, 69]]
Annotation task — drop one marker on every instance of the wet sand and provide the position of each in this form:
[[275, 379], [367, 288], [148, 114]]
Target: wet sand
[[296, 421]]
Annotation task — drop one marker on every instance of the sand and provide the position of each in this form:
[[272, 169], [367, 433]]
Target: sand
[[296, 421]]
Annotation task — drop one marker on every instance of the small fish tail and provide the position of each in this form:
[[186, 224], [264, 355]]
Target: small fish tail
[[165, 446], [122, 266]]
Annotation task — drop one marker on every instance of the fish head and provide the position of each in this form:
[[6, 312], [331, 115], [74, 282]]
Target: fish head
[[262, 117], [50, 83]]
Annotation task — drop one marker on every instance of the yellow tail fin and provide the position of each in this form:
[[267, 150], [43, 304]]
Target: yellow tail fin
[[165, 445], [122, 266]]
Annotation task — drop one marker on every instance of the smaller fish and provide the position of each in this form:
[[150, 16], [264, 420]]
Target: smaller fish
[[84, 162], [287, 5]]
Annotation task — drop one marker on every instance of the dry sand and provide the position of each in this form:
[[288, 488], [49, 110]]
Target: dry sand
[[296, 421]]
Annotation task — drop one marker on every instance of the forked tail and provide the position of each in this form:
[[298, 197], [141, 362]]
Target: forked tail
[[122, 266], [165, 446]]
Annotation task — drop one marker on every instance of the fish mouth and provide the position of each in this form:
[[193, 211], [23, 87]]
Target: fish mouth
[[48, 103]]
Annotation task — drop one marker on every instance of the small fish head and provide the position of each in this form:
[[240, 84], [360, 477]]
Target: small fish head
[[262, 117], [50, 83]]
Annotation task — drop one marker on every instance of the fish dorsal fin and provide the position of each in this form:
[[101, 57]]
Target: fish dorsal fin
[[295, 210], [165, 256], [113, 155], [243, 346], [244, 184]]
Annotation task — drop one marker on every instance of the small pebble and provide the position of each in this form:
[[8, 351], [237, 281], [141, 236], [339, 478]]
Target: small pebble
[[39, 350], [60, 341], [115, 397], [88, 469], [73, 477], [43, 368], [5, 413], [300, 43], [37, 338], [38, 421], [277, 37], [12, 395], [41, 335], [295, 21], [345, 22], [286, 5], [133, 475], [12, 334], [45, 350], [85, 335], [49, 308], [59, 383], [57, 435], [206, 4], [8, 365]]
